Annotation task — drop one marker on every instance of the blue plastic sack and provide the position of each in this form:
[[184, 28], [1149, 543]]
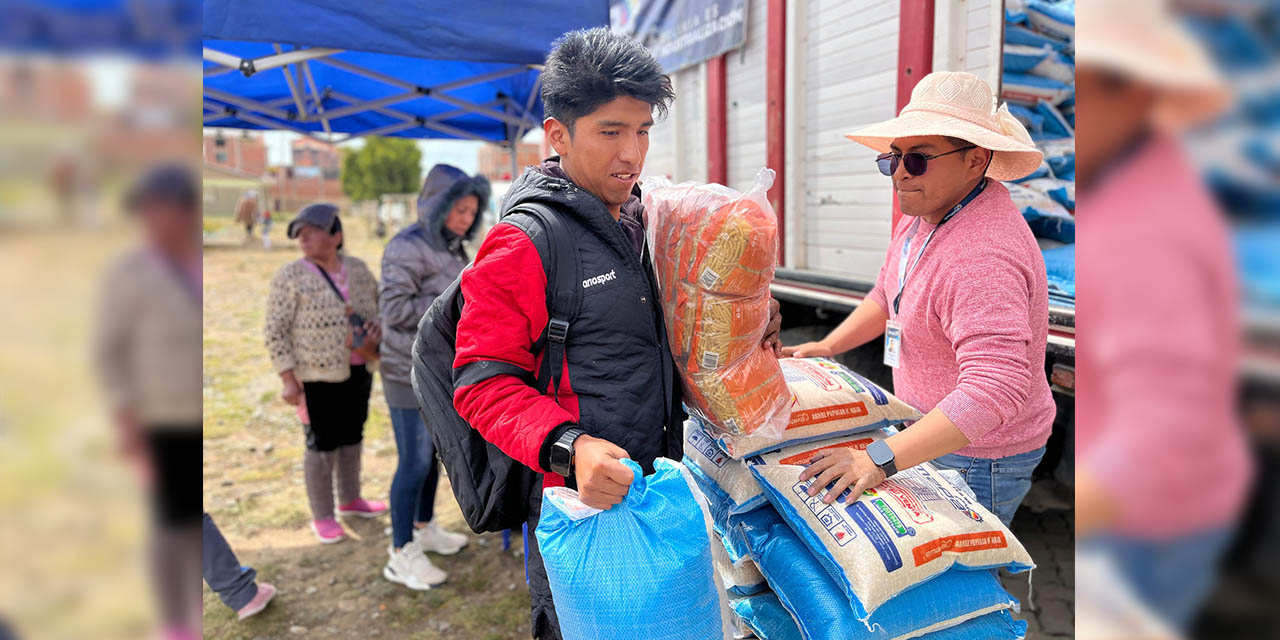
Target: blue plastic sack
[[1026, 89], [1055, 66], [1056, 18], [766, 617], [1015, 11], [1061, 191], [639, 571], [1046, 217], [733, 488], [740, 577], [1020, 58], [1060, 153], [1068, 109], [1018, 34], [1060, 270], [1055, 125], [1031, 119], [998, 625], [1259, 264], [823, 610], [1042, 172]]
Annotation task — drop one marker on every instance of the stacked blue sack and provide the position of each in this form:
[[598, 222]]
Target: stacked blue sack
[[1060, 269], [1038, 84], [802, 599], [1259, 265]]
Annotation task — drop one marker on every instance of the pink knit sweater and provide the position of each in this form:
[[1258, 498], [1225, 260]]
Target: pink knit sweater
[[975, 319], [1159, 332]]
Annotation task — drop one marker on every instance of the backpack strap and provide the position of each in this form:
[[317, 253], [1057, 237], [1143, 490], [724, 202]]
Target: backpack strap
[[563, 294]]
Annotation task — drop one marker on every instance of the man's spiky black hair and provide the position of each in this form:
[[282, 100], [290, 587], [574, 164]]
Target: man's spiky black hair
[[591, 67]]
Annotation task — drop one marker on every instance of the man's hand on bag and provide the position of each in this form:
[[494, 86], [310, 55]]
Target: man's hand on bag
[[846, 468], [771, 337], [808, 350], [603, 481]]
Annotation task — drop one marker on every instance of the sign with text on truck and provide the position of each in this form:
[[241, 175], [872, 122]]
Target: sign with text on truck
[[681, 33]]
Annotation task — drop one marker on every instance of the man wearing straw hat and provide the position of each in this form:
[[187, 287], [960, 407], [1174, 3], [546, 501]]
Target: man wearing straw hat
[[1163, 464], [961, 300]]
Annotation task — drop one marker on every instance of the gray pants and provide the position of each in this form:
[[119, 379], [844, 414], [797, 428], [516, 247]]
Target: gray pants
[[319, 471], [234, 584]]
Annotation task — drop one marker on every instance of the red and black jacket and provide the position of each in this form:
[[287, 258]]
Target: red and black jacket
[[619, 381]]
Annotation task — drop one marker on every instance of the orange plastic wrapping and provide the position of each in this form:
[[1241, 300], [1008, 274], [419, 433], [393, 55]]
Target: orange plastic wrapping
[[714, 251]]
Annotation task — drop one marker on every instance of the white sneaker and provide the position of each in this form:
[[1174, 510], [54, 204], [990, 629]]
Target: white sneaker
[[411, 568], [434, 539]]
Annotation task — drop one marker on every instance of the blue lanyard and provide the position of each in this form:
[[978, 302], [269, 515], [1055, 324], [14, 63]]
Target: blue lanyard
[[903, 271]]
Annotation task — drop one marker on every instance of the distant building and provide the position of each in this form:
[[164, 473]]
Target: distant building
[[309, 152], [314, 174], [241, 153], [44, 90], [494, 162]]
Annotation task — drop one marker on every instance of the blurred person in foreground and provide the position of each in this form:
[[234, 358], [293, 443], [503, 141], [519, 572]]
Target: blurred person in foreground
[[322, 332], [418, 264], [1163, 466], [148, 352], [962, 300]]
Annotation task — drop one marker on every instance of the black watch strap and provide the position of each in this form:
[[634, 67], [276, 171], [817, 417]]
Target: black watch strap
[[562, 455], [889, 468]]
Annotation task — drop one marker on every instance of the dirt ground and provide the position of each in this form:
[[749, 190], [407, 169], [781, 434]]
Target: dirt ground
[[253, 488]]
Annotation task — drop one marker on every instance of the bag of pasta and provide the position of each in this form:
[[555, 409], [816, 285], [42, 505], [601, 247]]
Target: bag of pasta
[[714, 251]]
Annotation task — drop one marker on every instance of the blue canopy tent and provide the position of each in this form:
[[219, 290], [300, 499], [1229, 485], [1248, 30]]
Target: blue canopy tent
[[434, 69]]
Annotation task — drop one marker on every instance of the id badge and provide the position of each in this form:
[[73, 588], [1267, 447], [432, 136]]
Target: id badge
[[892, 343]]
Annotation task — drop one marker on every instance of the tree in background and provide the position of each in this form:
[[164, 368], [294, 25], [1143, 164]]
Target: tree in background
[[382, 165]]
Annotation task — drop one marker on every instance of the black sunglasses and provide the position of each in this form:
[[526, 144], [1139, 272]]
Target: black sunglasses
[[915, 162]]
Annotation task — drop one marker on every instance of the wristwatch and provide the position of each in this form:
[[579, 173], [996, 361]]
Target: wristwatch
[[882, 456], [562, 452]]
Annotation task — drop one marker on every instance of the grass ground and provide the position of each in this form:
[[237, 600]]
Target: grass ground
[[253, 487]]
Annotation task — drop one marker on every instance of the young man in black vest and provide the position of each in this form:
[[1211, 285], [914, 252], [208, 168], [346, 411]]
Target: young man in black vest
[[619, 396]]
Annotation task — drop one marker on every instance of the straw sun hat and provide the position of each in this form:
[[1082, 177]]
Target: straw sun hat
[[958, 104]]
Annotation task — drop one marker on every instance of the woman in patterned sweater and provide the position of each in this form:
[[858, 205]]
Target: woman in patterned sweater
[[320, 309]]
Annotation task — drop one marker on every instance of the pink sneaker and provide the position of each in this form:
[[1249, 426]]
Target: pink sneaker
[[363, 508], [259, 602], [328, 530]]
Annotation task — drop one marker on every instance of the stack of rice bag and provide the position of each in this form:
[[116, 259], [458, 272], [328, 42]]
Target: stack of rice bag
[[909, 558], [1038, 84]]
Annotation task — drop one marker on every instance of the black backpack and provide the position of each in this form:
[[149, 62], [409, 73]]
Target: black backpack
[[492, 489]]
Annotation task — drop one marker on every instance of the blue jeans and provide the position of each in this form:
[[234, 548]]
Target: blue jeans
[[413, 489], [999, 483], [1172, 577], [222, 571]]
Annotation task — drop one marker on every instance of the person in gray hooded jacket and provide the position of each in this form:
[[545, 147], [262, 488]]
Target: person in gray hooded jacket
[[417, 265]]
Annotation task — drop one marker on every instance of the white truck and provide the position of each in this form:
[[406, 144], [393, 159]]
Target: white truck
[[830, 66]]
